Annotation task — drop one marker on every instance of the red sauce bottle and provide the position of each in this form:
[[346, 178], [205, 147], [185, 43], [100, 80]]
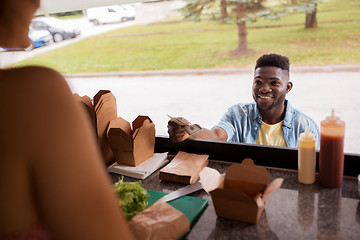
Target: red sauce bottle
[[331, 155]]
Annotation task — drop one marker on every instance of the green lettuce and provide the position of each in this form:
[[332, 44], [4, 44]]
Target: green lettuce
[[132, 197]]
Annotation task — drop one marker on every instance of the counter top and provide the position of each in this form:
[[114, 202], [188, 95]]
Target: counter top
[[295, 211]]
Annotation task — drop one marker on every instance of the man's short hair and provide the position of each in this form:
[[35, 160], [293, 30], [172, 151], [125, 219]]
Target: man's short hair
[[273, 60]]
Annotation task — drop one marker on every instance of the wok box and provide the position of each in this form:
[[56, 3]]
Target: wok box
[[243, 193], [132, 146]]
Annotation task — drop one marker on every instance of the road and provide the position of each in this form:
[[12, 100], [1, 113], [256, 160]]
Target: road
[[87, 30]]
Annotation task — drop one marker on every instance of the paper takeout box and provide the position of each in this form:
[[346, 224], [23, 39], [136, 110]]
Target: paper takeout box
[[184, 168], [243, 193], [100, 112], [105, 111], [87, 105], [132, 146]]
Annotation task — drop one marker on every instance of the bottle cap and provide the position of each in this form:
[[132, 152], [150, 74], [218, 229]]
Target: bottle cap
[[333, 120], [307, 136]]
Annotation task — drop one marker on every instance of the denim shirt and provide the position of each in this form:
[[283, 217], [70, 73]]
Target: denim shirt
[[242, 123]]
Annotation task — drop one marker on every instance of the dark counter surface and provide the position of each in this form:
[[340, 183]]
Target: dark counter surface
[[295, 211]]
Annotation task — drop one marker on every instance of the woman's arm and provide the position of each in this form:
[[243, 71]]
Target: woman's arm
[[71, 186]]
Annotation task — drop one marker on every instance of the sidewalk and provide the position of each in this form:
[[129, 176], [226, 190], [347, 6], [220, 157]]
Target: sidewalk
[[215, 71]]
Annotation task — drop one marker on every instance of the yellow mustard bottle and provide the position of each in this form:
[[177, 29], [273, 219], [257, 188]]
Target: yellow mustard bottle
[[306, 157]]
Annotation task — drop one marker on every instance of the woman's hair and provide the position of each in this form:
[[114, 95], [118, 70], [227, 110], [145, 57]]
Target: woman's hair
[[273, 60], [2, 8]]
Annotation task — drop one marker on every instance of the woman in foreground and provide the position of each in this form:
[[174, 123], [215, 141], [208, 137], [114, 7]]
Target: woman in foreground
[[53, 183]]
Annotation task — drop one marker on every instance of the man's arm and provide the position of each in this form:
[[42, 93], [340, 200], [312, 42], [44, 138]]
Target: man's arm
[[213, 134], [177, 133]]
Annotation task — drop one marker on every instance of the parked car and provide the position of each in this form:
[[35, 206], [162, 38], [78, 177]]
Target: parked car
[[111, 14], [59, 29], [39, 38]]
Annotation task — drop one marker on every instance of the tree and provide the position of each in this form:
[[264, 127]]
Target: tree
[[310, 9], [242, 12], [310, 20], [223, 11], [241, 27]]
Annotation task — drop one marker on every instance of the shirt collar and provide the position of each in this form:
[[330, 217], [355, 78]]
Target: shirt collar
[[256, 113], [287, 118], [288, 114]]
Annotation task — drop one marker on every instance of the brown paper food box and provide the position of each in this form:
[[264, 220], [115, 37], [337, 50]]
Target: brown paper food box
[[101, 112], [243, 193], [184, 168], [106, 110], [132, 146], [89, 108]]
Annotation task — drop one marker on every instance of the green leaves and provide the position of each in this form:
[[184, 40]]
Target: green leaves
[[197, 10], [307, 6], [132, 197]]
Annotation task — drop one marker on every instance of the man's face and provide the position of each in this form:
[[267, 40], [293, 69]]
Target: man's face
[[270, 86]]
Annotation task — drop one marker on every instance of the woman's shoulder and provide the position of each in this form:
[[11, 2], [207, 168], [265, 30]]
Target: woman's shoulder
[[30, 73], [35, 88], [33, 79]]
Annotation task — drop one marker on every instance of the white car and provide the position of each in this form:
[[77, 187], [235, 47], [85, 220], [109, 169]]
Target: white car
[[39, 38], [59, 29], [111, 14]]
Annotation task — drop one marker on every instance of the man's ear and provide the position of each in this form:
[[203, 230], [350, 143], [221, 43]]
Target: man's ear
[[289, 86]]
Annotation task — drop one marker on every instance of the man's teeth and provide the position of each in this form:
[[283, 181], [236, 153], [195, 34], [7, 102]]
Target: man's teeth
[[264, 97]]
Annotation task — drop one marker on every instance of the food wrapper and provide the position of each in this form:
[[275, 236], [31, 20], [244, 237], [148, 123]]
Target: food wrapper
[[184, 168], [160, 221], [211, 179]]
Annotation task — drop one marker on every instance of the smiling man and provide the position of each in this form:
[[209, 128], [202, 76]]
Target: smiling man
[[270, 120]]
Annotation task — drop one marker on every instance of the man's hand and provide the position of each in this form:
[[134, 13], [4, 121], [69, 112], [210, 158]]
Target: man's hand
[[176, 132], [178, 129]]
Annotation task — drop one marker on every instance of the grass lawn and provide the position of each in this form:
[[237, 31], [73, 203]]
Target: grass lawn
[[190, 45]]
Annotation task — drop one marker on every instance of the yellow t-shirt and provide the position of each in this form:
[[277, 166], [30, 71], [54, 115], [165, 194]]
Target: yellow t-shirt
[[271, 135]]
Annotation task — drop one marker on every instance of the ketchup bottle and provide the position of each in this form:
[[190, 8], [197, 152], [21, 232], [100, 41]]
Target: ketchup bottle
[[331, 155]]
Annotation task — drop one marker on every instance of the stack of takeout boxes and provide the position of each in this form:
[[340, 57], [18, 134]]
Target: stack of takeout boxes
[[115, 137], [89, 108], [105, 111]]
